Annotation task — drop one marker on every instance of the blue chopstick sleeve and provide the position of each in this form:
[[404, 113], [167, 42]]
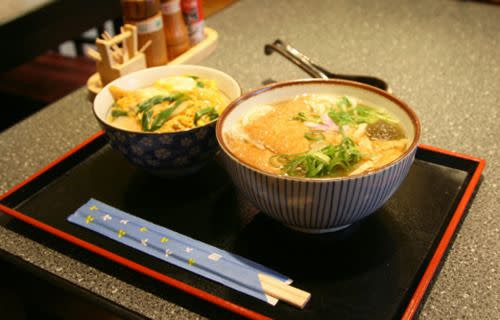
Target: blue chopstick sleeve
[[205, 260]]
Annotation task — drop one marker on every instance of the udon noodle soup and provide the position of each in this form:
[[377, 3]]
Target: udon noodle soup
[[316, 136], [171, 104]]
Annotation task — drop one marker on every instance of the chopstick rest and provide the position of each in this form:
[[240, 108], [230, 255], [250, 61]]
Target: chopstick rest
[[205, 260]]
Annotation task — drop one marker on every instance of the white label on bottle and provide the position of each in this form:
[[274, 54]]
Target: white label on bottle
[[196, 31], [150, 25], [171, 7]]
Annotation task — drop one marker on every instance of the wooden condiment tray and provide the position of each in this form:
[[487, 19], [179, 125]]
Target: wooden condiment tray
[[194, 55]]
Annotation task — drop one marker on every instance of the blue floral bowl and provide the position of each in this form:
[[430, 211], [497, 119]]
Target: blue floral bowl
[[168, 154]]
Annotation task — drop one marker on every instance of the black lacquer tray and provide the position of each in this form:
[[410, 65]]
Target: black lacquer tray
[[379, 268]]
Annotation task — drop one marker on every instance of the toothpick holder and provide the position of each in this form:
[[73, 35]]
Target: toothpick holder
[[109, 67]]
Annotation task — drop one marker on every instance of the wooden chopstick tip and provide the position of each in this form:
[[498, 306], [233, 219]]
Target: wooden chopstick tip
[[284, 292]]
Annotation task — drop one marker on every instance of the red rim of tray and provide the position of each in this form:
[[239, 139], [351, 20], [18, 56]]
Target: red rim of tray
[[410, 309]]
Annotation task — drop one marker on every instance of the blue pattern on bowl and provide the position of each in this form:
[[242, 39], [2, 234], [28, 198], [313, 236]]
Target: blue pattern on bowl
[[168, 154], [317, 206], [172, 154]]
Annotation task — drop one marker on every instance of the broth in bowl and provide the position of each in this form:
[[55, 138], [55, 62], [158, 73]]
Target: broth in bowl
[[317, 136]]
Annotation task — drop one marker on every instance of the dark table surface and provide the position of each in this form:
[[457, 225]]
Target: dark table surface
[[442, 57]]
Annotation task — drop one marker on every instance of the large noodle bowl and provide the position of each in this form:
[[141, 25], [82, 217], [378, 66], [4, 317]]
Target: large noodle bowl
[[316, 136]]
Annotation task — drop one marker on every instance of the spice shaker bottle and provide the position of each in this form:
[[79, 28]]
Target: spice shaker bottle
[[193, 15], [146, 16], [176, 33]]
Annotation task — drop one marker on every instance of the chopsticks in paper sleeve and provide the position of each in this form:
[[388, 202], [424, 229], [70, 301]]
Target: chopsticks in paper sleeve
[[205, 260]]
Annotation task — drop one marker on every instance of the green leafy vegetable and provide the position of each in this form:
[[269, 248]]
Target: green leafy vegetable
[[301, 116], [324, 162], [346, 113], [161, 118], [344, 103], [200, 84], [341, 117], [210, 112], [193, 77], [314, 135], [118, 113], [180, 100], [164, 115], [370, 115], [149, 103], [146, 119], [177, 96]]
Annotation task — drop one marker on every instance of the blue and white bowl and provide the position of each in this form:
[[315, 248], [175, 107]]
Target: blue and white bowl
[[317, 205], [167, 154]]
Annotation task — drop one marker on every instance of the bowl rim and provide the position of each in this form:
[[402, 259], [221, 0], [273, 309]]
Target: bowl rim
[[132, 74], [248, 95]]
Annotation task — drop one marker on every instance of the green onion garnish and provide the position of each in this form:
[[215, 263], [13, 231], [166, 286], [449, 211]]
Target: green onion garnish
[[210, 112], [149, 103], [341, 117], [301, 116], [146, 119], [324, 162], [163, 116], [118, 113], [344, 103], [315, 135], [346, 114]]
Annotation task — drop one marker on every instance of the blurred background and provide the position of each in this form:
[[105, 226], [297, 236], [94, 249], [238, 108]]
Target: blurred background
[[44, 45]]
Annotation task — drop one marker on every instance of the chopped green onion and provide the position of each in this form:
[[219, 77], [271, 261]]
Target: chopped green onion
[[193, 77], [315, 135], [200, 84], [163, 116], [372, 115], [341, 117], [320, 156], [359, 114], [176, 96], [149, 103], [181, 100], [301, 116], [210, 112], [118, 113], [324, 162], [344, 103], [146, 119], [278, 160]]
